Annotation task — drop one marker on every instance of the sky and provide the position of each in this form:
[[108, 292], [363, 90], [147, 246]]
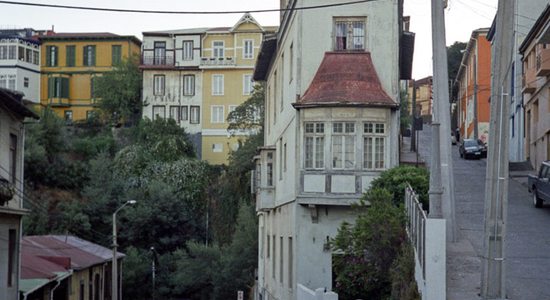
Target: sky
[[461, 17]]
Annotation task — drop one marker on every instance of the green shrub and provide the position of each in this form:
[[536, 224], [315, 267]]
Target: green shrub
[[395, 180]]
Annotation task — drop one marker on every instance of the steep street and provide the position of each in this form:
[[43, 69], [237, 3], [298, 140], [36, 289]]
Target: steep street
[[527, 240]]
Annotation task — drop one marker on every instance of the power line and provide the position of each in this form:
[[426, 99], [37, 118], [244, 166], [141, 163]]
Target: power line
[[121, 10]]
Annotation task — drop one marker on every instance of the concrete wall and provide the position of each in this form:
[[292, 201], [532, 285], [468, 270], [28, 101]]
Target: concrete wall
[[9, 222], [319, 294]]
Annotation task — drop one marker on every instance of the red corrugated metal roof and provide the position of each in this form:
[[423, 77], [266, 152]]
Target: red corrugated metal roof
[[33, 267], [345, 79], [82, 255]]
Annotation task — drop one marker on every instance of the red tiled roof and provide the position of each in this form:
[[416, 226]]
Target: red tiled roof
[[345, 79]]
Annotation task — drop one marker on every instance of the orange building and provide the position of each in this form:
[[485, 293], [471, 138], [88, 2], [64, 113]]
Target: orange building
[[474, 87]]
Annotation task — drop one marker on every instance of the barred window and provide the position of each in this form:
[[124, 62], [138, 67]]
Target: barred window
[[349, 34]]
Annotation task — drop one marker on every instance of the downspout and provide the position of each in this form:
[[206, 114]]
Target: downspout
[[54, 288]]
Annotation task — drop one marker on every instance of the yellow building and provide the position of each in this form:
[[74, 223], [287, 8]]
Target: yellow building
[[227, 60], [69, 64]]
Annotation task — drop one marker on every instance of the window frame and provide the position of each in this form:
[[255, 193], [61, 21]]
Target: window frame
[[215, 115], [346, 133], [160, 86], [184, 111], [218, 88], [176, 114], [218, 51], [89, 56], [348, 37], [250, 81], [375, 134], [116, 56], [187, 52], [52, 53], [192, 110], [157, 115], [189, 90], [246, 54], [318, 141], [70, 55]]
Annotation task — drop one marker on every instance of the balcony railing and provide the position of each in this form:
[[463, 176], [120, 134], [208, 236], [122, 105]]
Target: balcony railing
[[158, 60], [59, 102], [217, 61]]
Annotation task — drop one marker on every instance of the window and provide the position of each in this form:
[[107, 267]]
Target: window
[[315, 145], [184, 113], [70, 56], [268, 246], [373, 145], [175, 113], [217, 148], [159, 53], [343, 145], [26, 82], [232, 108], [217, 114], [187, 50], [12, 258], [21, 53], [116, 54], [188, 85], [158, 85], [217, 85], [284, 157], [51, 56], [248, 49], [269, 170], [35, 58], [12, 82], [28, 55], [281, 261], [13, 158], [195, 114], [290, 262], [349, 34], [218, 49], [3, 81], [58, 87], [68, 115], [280, 158], [247, 84], [89, 56], [274, 257], [159, 111], [3, 52], [90, 114], [12, 52]]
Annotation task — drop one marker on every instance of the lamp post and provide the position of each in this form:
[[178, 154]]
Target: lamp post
[[114, 281]]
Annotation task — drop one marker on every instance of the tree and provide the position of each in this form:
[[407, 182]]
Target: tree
[[367, 250], [395, 181], [454, 58], [250, 114], [120, 92]]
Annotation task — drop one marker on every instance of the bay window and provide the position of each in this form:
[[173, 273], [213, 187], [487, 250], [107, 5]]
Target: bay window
[[314, 145], [343, 145]]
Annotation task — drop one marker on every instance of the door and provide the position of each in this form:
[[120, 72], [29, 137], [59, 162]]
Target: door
[[160, 53]]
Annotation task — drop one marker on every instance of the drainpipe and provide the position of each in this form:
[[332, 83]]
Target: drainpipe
[[53, 290]]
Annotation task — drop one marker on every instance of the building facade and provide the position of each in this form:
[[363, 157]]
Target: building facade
[[331, 126], [12, 136], [474, 88], [424, 97], [71, 62], [521, 24], [20, 62], [198, 76], [536, 92]]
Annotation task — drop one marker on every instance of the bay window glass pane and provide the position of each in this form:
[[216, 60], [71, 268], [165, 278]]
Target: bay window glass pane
[[309, 152], [379, 153], [349, 152], [367, 155], [319, 152]]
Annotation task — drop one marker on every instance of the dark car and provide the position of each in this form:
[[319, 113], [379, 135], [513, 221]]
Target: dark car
[[539, 184], [471, 148]]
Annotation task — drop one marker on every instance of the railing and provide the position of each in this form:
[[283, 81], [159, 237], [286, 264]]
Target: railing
[[158, 60], [217, 61], [428, 238]]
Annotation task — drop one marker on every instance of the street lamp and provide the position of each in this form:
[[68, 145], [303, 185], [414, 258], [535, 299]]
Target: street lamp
[[114, 281]]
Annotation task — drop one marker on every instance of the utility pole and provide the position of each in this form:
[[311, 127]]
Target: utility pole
[[493, 275], [476, 127], [413, 113], [442, 115]]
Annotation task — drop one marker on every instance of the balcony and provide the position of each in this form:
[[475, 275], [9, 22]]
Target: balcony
[[217, 61], [543, 62], [59, 102], [163, 61], [529, 82]]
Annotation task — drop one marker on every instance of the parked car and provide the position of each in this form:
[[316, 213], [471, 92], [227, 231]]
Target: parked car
[[483, 148], [539, 185], [471, 148]]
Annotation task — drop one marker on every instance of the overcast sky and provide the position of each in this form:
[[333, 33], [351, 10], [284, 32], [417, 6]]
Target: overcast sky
[[462, 17]]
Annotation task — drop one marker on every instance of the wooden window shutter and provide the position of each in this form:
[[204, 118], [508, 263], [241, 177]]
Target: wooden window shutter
[[85, 56], [56, 56], [64, 87], [93, 55], [48, 59], [51, 86]]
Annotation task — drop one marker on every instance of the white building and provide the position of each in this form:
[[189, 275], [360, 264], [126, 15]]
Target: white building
[[20, 62], [331, 126], [12, 134], [525, 13]]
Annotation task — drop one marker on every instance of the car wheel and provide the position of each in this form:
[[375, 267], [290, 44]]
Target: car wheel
[[536, 200]]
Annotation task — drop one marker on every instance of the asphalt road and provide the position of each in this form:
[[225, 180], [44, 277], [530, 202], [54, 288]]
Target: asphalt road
[[527, 237]]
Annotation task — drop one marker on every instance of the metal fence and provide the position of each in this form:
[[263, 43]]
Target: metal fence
[[416, 226]]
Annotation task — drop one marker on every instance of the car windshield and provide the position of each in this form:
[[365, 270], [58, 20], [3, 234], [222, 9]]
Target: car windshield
[[470, 143]]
